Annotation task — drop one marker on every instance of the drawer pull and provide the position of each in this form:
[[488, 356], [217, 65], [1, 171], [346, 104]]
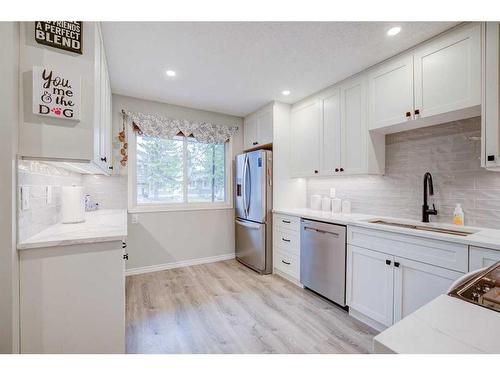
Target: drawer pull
[[287, 263], [388, 262], [285, 239], [286, 221]]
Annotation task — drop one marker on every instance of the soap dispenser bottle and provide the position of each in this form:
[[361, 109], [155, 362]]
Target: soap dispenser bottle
[[458, 215]]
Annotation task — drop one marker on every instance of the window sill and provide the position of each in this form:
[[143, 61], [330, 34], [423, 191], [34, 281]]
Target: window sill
[[174, 208]]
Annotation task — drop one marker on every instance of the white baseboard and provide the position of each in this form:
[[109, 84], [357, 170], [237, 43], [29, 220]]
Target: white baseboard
[[182, 263]]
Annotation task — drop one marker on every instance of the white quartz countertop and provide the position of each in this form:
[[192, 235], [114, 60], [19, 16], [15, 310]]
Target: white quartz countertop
[[482, 237], [444, 325], [99, 226]]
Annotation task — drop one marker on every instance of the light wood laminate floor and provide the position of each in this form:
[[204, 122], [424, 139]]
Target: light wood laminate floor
[[225, 307]]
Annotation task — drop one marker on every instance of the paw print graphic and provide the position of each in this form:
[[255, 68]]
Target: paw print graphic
[[56, 111]]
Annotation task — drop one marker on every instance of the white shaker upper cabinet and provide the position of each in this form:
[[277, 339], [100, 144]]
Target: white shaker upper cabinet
[[250, 132], [305, 139], [354, 129], [258, 128], [391, 93], [265, 127], [448, 73], [331, 139]]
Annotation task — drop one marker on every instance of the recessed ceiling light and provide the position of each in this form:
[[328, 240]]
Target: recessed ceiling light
[[393, 31], [286, 92], [171, 73]]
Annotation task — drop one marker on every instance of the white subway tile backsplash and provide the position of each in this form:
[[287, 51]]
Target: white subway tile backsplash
[[451, 152]]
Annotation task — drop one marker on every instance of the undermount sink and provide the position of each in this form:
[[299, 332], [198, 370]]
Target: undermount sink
[[456, 232]]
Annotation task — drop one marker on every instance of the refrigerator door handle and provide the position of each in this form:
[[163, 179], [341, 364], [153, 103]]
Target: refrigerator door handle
[[250, 182], [247, 224], [244, 185]]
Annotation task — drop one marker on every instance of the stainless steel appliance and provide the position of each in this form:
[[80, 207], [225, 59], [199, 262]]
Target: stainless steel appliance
[[481, 289], [253, 210], [323, 259]]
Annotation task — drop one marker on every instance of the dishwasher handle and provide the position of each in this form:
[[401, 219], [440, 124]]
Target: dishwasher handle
[[306, 228]]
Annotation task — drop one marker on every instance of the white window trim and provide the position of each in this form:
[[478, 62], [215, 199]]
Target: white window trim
[[133, 207]]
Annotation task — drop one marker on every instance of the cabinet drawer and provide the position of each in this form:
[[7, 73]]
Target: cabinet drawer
[[436, 252], [287, 222], [287, 263], [286, 240]]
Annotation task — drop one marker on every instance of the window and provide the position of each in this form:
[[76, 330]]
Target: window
[[179, 173]]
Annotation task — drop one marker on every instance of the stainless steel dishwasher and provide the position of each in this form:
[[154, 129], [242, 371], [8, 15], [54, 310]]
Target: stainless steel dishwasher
[[323, 259]]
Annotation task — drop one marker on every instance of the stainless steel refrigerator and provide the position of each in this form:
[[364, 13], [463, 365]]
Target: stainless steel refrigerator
[[254, 191]]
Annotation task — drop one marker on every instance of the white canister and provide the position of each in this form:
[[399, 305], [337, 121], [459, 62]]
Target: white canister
[[336, 205], [346, 207], [325, 204], [72, 204], [316, 202]]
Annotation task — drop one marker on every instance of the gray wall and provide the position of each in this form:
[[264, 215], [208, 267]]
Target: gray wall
[[9, 287], [451, 152], [165, 237]]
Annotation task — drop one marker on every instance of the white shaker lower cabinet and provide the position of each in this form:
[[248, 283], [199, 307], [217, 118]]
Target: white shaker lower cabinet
[[417, 283], [370, 284], [286, 246], [72, 299], [383, 286], [480, 257]]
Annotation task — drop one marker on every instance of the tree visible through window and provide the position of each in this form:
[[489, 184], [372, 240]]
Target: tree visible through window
[[180, 170]]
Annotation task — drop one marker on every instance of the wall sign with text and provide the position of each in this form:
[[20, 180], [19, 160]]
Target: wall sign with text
[[66, 35], [56, 94]]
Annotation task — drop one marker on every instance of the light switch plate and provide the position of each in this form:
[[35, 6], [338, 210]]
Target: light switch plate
[[135, 218], [25, 197]]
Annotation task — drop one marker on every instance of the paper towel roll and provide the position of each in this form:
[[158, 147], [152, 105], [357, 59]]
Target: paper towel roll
[[72, 204], [316, 202]]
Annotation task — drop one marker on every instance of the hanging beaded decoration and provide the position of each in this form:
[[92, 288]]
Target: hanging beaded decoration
[[122, 137]]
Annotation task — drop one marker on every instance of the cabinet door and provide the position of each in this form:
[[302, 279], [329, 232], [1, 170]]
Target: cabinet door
[[331, 140], [480, 257], [416, 284], [370, 283], [354, 129], [104, 127], [265, 127], [448, 73], [305, 126], [250, 132], [72, 299], [390, 88]]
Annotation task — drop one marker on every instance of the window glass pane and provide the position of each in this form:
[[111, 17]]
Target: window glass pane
[[205, 172], [159, 170]]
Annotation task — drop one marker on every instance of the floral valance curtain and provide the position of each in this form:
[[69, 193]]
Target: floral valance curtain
[[164, 127]]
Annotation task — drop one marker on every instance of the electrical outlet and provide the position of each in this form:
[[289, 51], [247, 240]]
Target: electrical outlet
[[135, 218], [48, 195], [25, 197]]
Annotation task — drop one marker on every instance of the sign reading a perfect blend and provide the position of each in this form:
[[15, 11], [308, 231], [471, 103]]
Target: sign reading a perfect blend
[[64, 35], [56, 94]]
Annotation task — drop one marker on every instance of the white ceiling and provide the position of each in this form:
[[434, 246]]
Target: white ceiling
[[237, 67]]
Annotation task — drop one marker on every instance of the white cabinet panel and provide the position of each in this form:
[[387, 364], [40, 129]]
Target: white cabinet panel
[[354, 152], [250, 132], [370, 284], [331, 137], [490, 126], [416, 284], [391, 92], [72, 299], [448, 73], [265, 127], [287, 263], [305, 139], [480, 257]]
